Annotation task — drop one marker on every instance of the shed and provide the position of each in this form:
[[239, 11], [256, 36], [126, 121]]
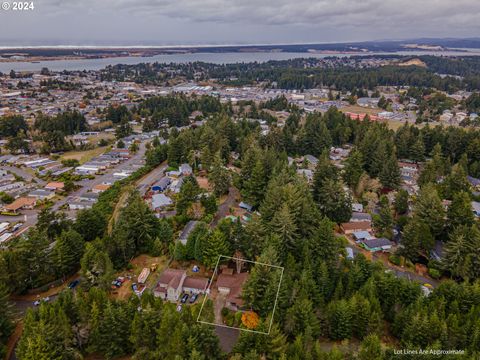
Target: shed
[[244, 205]]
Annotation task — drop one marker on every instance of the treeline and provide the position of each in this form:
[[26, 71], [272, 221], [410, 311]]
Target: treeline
[[91, 323], [338, 73]]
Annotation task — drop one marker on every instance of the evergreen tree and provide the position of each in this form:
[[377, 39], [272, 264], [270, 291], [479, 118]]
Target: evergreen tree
[[219, 177], [460, 211], [68, 251], [384, 220], [390, 173], [416, 237], [462, 257], [429, 209], [353, 169], [215, 245], [371, 348], [401, 202]]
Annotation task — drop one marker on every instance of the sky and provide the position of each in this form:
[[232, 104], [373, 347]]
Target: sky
[[192, 22]]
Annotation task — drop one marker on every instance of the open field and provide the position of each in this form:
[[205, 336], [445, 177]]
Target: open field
[[359, 109], [84, 156]]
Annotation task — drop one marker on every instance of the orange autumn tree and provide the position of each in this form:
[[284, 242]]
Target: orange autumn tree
[[250, 319]]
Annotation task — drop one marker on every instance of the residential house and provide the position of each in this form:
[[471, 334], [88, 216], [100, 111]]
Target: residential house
[[170, 284], [353, 226], [187, 231], [160, 201], [22, 203], [374, 245], [307, 173], [312, 160], [174, 282], [195, 285], [55, 186], [360, 216], [476, 208], [185, 170], [99, 188], [80, 205], [161, 185], [357, 207], [474, 182], [89, 196], [41, 194], [362, 235], [230, 285]]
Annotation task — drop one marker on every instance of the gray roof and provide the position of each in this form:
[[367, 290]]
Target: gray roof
[[187, 230], [361, 216], [163, 182], [160, 200], [377, 243]]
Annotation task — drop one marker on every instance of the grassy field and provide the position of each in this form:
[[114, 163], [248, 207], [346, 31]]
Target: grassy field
[[84, 156], [361, 110]]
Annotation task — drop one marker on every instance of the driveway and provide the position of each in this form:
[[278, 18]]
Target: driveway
[[224, 208]]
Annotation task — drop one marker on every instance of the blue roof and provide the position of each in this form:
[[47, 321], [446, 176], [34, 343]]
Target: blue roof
[[362, 235]]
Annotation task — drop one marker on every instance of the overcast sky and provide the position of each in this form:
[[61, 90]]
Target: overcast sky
[[167, 22]]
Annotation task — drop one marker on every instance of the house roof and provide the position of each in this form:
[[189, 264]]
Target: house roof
[[165, 181], [40, 192], [195, 283], [172, 277], [357, 225], [360, 216], [55, 185], [476, 206], [160, 200], [235, 283], [362, 235], [101, 187], [473, 181], [188, 229], [20, 202], [377, 243]]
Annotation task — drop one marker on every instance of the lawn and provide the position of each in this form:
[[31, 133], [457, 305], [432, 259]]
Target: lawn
[[84, 156], [361, 110]]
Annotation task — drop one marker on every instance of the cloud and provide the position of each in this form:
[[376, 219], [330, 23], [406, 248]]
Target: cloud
[[293, 12], [208, 21]]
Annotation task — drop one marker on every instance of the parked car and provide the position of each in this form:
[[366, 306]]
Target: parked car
[[193, 298], [17, 226], [73, 284], [38, 302], [116, 284], [184, 298], [179, 308], [134, 287]]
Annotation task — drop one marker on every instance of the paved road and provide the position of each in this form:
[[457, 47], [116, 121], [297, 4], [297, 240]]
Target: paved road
[[224, 208], [24, 174], [87, 184], [395, 269]]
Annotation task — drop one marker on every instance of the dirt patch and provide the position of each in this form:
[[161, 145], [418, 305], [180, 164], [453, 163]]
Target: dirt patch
[[203, 183], [50, 292], [131, 276], [413, 62], [13, 339]]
